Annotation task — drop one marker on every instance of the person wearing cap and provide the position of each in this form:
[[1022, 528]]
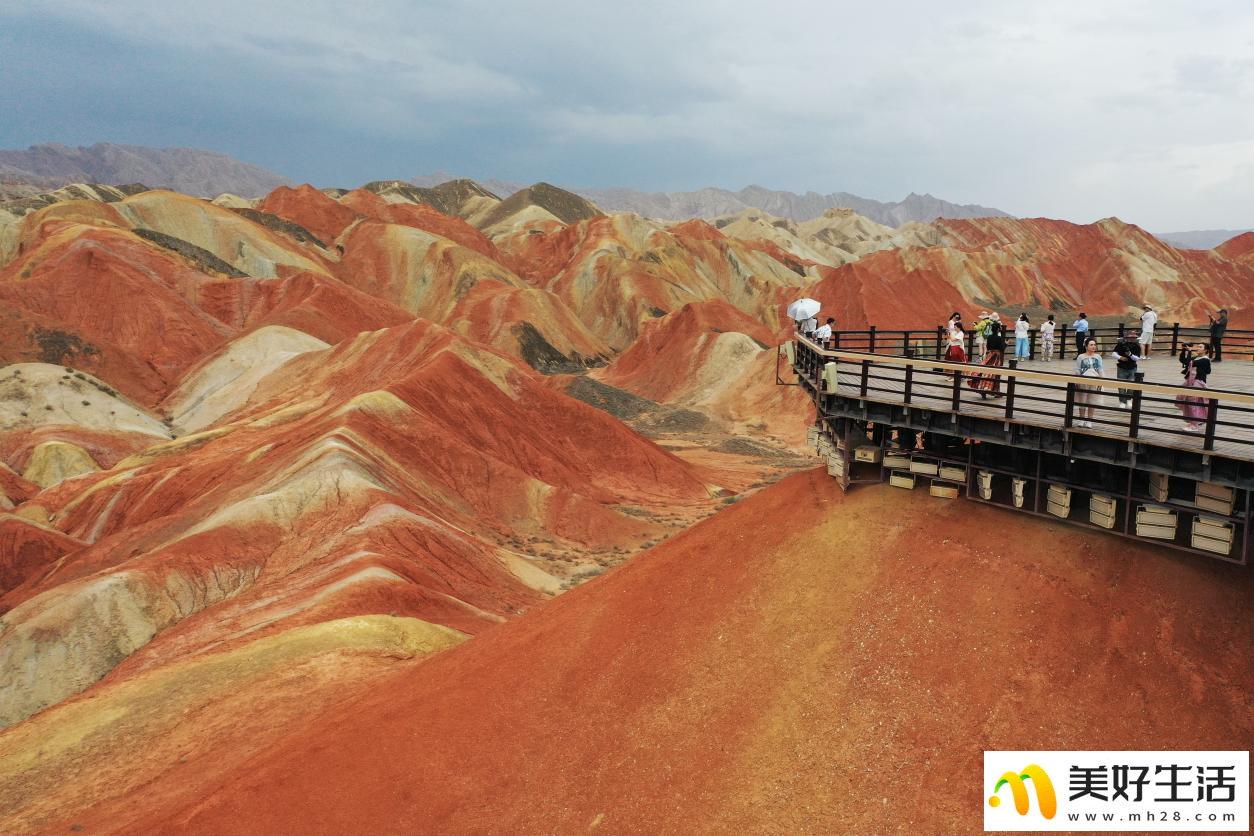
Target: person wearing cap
[[1218, 327], [1148, 320]]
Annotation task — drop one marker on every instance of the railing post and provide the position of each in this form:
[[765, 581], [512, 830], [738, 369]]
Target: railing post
[[957, 401], [1120, 332], [1212, 417], [871, 350], [1032, 344], [1010, 392], [1062, 343], [1175, 338], [970, 343], [909, 382], [940, 338], [1134, 420], [1068, 416], [866, 377], [837, 336]]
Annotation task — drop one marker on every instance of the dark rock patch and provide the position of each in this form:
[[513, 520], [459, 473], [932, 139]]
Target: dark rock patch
[[203, 259], [280, 225]]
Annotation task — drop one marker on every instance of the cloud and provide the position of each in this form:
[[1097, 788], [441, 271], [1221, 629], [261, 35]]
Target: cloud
[[1034, 108]]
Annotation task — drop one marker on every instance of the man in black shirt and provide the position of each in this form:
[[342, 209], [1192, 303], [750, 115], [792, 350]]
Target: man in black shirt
[[1127, 352], [1217, 329]]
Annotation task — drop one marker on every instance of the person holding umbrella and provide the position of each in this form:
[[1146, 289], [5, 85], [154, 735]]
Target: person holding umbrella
[[803, 312]]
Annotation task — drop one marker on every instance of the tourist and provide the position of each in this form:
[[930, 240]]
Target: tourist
[[956, 351], [1196, 369], [1148, 320], [1047, 338], [1022, 326], [1088, 396], [981, 325], [824, 332], [808, 326], [1125, 368], [1081, 328], [986, 383], [1218, 327]]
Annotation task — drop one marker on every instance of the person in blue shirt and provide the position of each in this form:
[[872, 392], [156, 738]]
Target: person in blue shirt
[[1081, 327], [1088, 396]]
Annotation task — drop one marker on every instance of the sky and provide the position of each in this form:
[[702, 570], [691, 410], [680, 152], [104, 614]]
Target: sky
[[1076, 110]]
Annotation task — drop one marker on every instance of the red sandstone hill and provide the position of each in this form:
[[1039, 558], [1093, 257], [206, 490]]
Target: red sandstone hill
[[398, 471], [1240, 248], [712, 357], [248, 477], [802, 662], [1107, 269]]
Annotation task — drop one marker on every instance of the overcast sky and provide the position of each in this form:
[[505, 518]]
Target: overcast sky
[[1077, 110]]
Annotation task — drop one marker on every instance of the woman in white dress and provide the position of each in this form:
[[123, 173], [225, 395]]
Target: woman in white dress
[[1087, 397]]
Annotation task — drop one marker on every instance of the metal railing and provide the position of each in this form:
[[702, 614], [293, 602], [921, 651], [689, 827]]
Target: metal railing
[[1054, 400], [932, 342]]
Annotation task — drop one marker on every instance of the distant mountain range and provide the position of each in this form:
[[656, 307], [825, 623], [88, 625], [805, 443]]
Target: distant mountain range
[[188, 170], [715, 202], [1198, 239], [48, 166]]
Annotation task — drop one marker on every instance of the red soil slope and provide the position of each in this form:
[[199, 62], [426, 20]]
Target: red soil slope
[[123, 309], [660, 363], [713, 357], [1108, 268], [1239, 248], [618, 272], [309, 207], [803, 662], [402, 471], [421, 216]]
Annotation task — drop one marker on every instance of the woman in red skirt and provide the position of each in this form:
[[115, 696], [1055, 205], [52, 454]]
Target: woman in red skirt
[[995, 339], [956, 351]]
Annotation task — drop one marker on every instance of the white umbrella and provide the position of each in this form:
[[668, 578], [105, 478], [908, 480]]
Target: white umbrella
[[803, 309]]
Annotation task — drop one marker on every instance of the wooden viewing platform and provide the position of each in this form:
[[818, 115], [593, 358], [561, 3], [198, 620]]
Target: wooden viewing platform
[[1016, 444]]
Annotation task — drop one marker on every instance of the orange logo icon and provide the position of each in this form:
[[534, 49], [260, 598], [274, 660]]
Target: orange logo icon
[[1045, 797]]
